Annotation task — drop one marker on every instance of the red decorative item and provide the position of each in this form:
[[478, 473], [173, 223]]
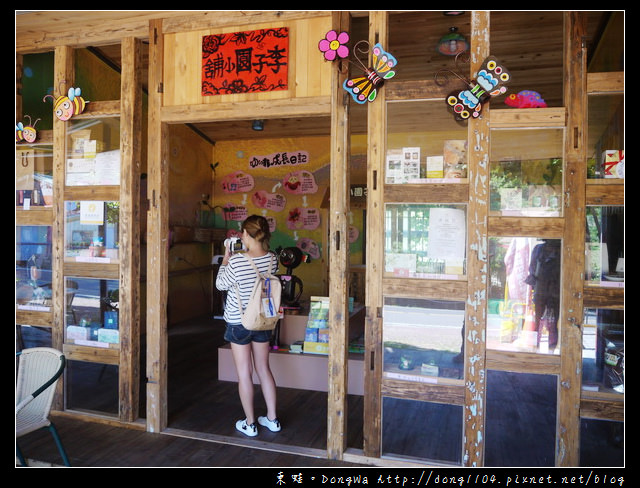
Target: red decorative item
[[245, 62]]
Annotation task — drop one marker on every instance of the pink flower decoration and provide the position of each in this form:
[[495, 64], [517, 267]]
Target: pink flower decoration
[[333, 45]]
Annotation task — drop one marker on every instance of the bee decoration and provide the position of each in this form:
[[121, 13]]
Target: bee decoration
[[365, 88], [66, 106], [26, 132], [490, 81]]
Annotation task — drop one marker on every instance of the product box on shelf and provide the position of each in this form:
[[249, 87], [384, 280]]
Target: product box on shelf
[[613, 163]]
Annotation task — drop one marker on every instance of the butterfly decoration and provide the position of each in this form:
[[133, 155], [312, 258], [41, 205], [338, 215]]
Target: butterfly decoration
[[490, 81], [365, 88]]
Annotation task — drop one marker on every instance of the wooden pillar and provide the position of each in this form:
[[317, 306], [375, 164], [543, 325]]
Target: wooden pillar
[[569, 384], [477, 261], [377, 135], [63, 78], [129, 249], [157, 240], [338, 259]]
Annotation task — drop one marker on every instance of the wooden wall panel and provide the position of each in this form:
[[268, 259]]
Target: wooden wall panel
[[309, 75]]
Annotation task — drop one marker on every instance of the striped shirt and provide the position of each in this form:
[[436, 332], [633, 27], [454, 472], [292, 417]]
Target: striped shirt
[[239, 271]]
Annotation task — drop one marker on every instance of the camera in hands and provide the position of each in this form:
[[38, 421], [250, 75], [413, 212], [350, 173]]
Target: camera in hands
[[234, 244]]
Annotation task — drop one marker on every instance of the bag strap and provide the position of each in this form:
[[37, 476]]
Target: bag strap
[[255, 268]]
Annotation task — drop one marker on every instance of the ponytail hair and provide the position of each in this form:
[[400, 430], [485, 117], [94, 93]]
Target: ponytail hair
[[258, 228]]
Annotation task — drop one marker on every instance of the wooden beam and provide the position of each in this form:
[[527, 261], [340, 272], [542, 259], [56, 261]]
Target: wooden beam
[[575, 174], [377, 133], [477, 262], [157, 240], [338, 260], [129, 254], [64, 70], [268, 109]]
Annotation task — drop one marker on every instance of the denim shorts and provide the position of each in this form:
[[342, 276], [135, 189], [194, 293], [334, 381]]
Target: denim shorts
[[237, 334]]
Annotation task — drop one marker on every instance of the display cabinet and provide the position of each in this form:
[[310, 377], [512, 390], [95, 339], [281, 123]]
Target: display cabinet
[[77, 271], [603, 320], [507, 196]]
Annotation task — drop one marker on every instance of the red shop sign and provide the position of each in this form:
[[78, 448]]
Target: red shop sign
[[245, 62]]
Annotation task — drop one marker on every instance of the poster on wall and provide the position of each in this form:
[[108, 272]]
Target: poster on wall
[[303, 218], [245, 62], [235, 212], [268, 201], [237, 182], [300, 182]]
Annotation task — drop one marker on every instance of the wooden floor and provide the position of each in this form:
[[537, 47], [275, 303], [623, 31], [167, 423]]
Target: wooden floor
[[201, 421], [203, 411]]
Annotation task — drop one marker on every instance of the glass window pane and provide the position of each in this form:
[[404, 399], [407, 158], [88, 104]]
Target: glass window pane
[[422, 429], [524, 294], [423, 339], [93, 152], [33, 267], [604, 261], [425, 241], [34, 175], [526, 172], [91, 231], [92, 312], [603, 350], [424, 144], [92, 387], [521, 419], [605, 144], [601, 443]]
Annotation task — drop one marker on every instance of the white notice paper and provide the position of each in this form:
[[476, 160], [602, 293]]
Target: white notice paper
[[447, 233]]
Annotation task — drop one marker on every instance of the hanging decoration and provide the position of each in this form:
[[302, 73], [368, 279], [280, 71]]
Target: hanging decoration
[[66, 106], [453, 43], [525, 99], [333, 45], [490, 81], [245, 62], [365, 88], [26, 133]]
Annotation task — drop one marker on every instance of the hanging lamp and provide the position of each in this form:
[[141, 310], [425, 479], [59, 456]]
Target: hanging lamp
[[452, 43]]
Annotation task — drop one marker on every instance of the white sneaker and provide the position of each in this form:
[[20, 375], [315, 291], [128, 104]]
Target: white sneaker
[[272, 425], [246, 429]]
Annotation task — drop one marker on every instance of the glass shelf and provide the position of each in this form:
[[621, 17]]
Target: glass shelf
[[33, 268], [604, 260], [91, 312], [425, 240], [91, 231], [93, 152], [34, 175], [423, 339], [526, 172]]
